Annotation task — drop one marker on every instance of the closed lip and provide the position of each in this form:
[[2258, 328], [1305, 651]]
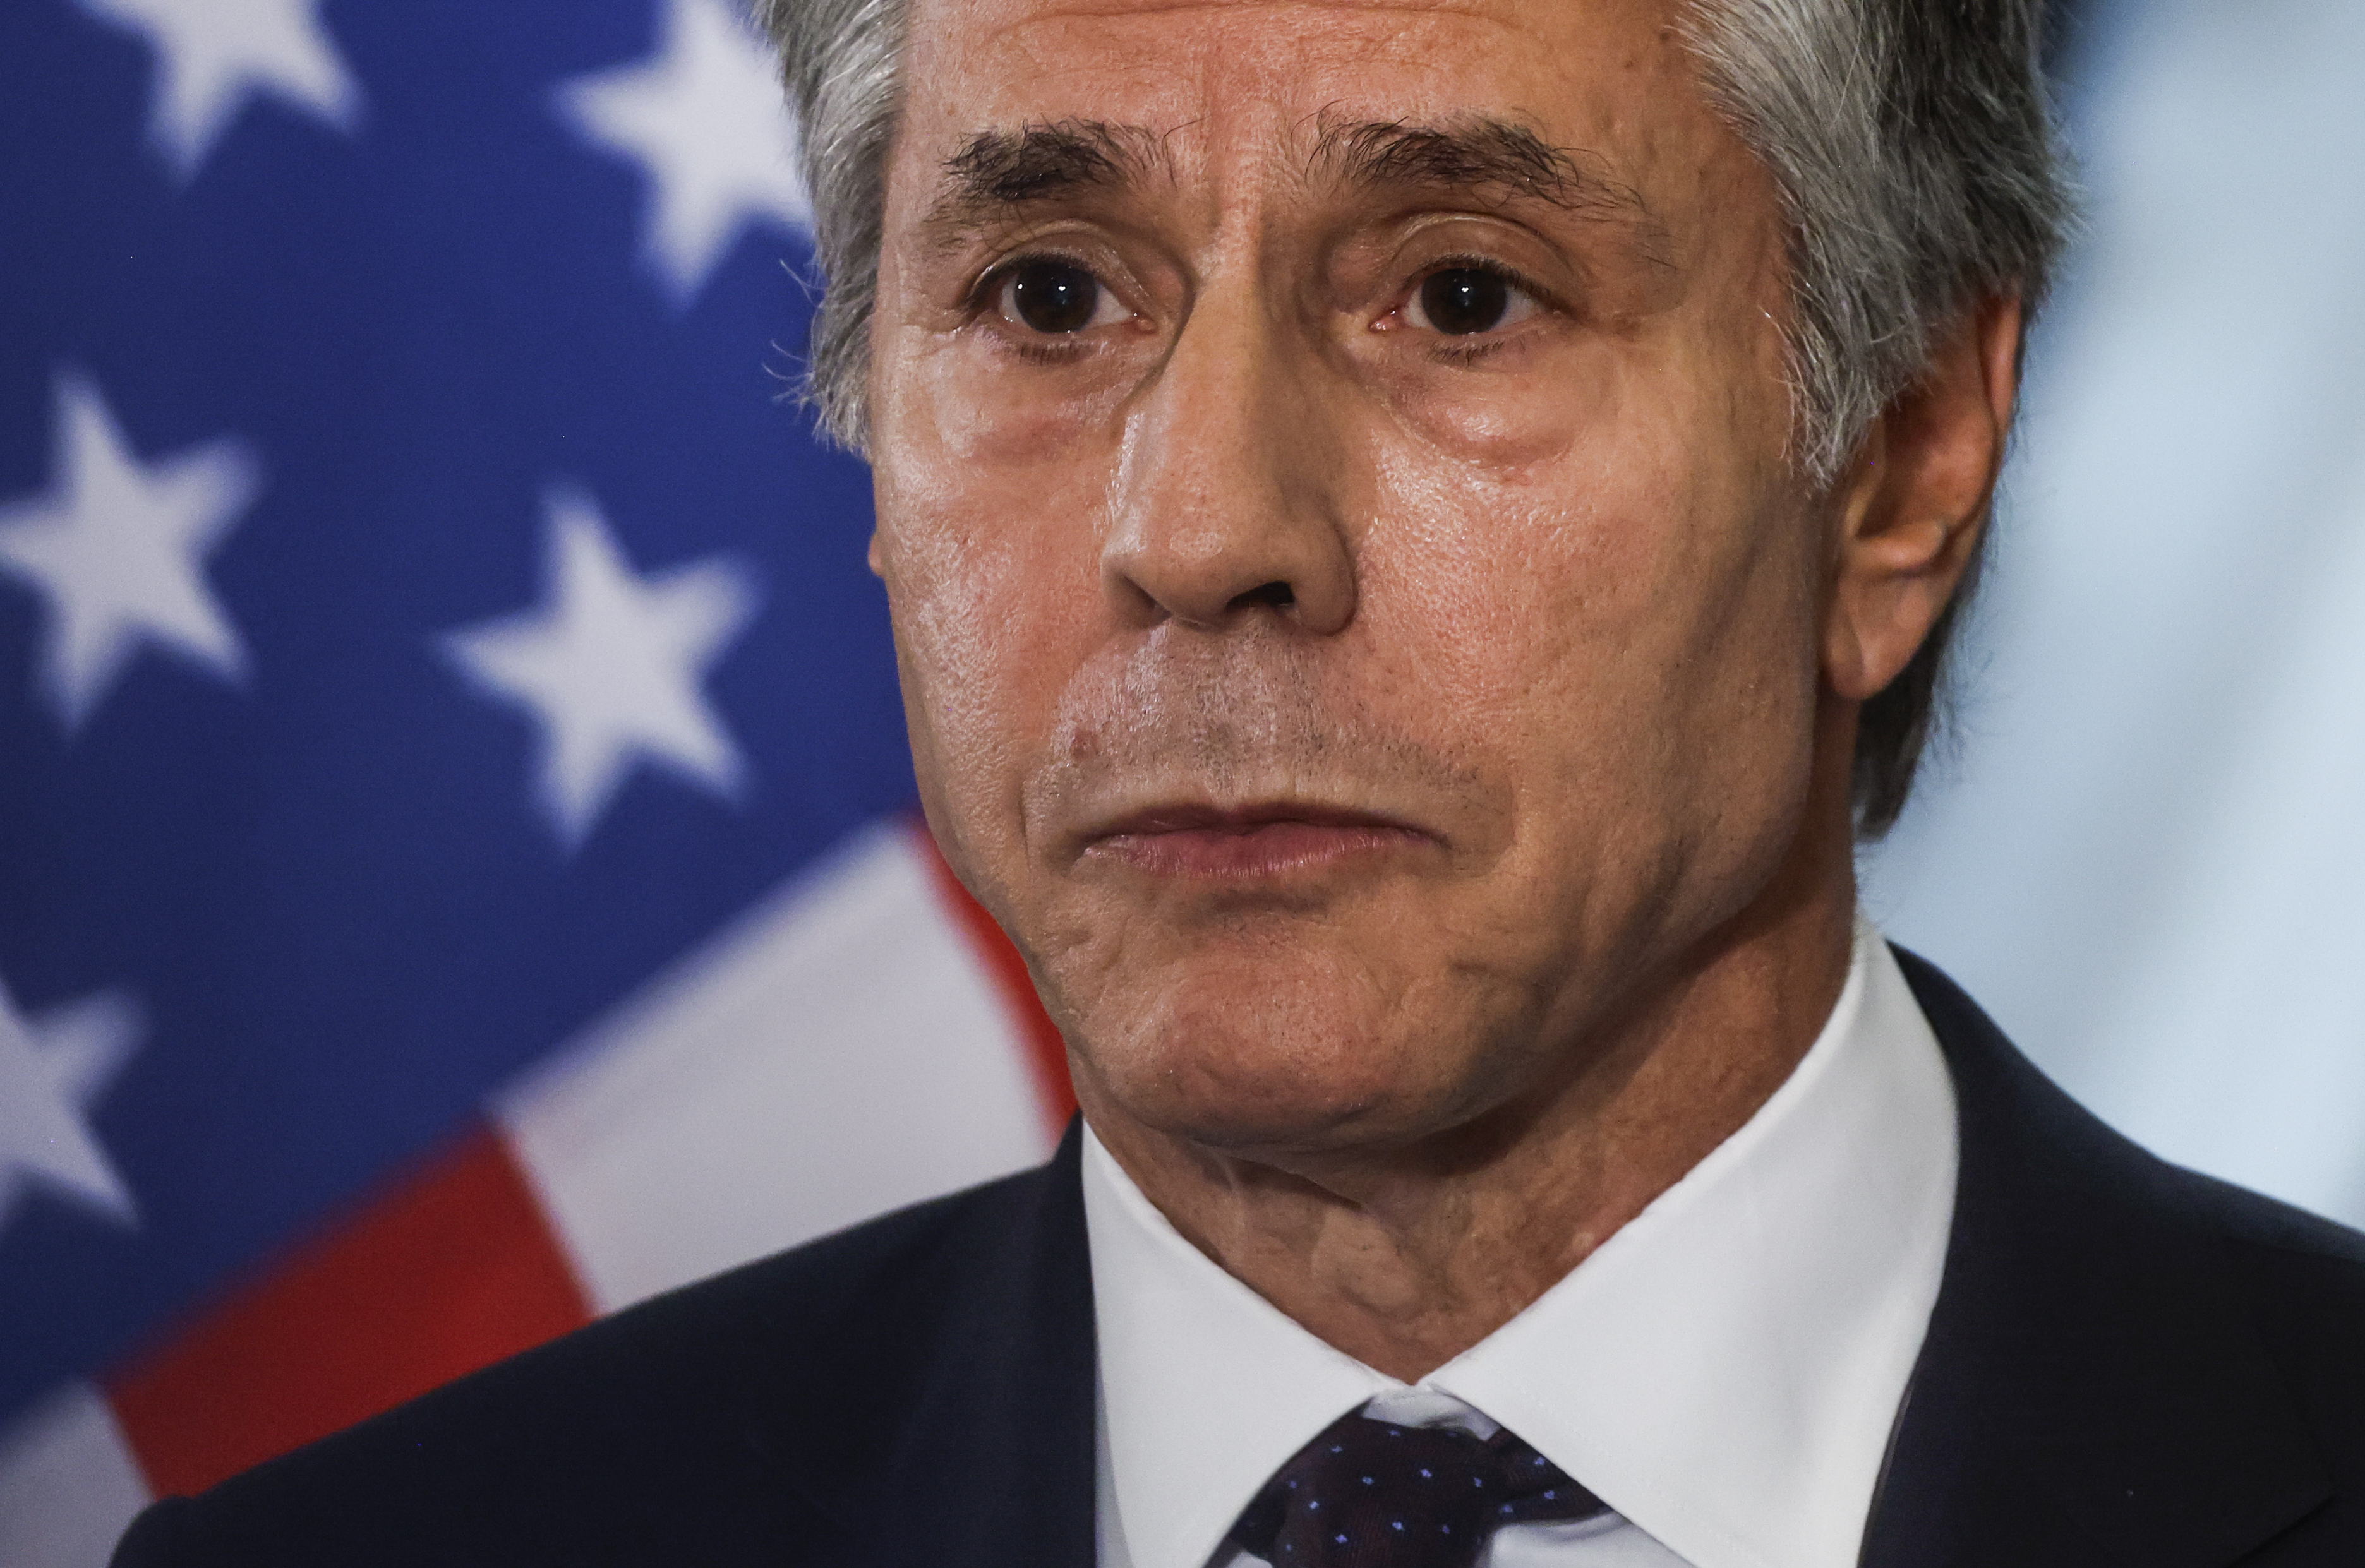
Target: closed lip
[[1200, 817]]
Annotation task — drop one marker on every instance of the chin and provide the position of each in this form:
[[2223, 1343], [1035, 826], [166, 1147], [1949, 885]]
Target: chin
[[1275, 1067]]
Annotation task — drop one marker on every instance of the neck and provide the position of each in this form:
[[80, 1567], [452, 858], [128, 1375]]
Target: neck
[[1405, 1256]]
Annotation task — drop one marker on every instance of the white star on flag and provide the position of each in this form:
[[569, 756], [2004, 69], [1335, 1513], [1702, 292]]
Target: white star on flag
[[705, 118], [52, 1069], [117, 548], [611, 667], [212, 54]]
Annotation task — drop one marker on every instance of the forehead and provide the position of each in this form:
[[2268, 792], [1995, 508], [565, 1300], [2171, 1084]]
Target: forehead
[[1228, 80]]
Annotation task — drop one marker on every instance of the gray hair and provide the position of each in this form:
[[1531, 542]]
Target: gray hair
[[1911, 141]]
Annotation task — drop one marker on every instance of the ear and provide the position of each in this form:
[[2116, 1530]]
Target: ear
[[878, 564], [1909, 517]]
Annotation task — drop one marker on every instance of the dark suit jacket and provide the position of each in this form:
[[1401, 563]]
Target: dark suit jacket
[[2128, 1365]]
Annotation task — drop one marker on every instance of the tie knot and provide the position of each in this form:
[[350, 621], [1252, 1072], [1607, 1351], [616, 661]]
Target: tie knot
[[1373, 1493]]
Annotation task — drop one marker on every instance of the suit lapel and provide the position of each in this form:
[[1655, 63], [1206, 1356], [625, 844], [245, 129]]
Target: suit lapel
[[972, 1444], [2091, 1389]]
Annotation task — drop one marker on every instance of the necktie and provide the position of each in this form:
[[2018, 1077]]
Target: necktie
[[1371, 1494]]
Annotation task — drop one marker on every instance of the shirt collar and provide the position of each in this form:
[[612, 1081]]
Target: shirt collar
[[1723, 1372]]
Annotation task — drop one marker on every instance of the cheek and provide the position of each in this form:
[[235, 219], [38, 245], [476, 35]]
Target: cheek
[[1520, 412], [1630, 618], [1511, 583], [1579, 520], [992, 576], [1002, 417]]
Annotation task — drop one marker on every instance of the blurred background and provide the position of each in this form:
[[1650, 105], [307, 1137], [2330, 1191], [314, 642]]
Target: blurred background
[[2144, 854], [457, 867]]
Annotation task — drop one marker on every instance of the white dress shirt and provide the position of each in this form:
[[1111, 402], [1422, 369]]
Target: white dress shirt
[[1725, 1371]]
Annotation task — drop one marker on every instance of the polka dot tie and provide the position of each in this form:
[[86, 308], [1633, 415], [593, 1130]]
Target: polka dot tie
[[1371, 1494]]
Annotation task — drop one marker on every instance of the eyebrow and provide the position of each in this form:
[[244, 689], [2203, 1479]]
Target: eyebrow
[[999, 171], [1475, 153]]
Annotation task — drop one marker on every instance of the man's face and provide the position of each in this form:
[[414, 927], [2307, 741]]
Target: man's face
[[1356, 623]]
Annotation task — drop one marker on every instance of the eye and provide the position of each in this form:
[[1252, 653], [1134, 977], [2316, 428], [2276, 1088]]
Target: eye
[[1463, 301], [1056, 298]]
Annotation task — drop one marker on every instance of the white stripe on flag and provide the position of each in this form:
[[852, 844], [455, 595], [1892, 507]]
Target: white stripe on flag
[[68, 1484], [836, 1052]]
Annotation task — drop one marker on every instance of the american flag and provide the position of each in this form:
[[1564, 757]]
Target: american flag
[[457, 867]]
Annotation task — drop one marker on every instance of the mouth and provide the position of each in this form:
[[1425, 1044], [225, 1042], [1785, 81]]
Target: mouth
[[1252, 842]]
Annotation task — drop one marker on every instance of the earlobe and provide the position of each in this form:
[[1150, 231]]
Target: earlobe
[[878, 565], [1891, 590]]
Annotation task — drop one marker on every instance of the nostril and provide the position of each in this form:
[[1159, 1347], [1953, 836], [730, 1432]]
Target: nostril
[[1278, 595]]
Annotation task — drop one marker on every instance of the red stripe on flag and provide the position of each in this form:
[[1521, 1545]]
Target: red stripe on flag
[[1047, 1053], [451, 1271]]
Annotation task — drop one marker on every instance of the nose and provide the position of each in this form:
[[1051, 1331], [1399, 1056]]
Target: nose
[[1228, 502]]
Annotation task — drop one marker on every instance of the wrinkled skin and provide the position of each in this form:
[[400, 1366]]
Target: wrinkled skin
[[1413, 762]]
